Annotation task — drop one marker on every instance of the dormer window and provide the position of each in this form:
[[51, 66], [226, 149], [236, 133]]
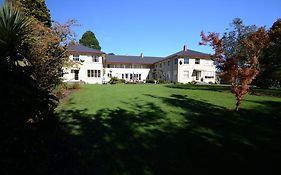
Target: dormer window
[[95, 58], [197, 61], [76, 57]]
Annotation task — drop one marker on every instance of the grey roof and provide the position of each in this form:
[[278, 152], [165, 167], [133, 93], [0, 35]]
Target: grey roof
[[191, 54], [132, 59], [84, 49]]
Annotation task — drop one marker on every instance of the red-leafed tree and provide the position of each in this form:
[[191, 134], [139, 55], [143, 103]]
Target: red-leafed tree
[[237, 54]]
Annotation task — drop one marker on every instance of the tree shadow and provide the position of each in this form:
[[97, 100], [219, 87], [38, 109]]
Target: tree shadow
[[216, 88], [247, 140], [143, 139]]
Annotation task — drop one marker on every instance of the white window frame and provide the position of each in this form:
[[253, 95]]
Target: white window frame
[[76, 57]]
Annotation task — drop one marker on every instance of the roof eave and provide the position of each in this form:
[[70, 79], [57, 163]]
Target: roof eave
[[97, 53], [129, 63]]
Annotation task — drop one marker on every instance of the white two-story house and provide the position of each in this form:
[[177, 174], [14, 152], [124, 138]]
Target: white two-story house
[[93, 66], [186, 66], [86, 65]]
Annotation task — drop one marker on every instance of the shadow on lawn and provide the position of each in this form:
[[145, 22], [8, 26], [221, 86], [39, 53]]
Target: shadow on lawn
[[144, 141], [216, 88]]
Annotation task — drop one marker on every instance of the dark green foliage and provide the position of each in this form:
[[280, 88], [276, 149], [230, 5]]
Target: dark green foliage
[[89, 39], [14, 29], [162, 81], [270, 62], [150, 81], [27, 105], [38, 9], [23, 100], [115, 80]]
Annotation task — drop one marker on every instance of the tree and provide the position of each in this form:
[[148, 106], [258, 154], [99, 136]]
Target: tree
[[31, 55], [270, 62], [237, 54], [89, 39], [48, 53], [37, 9]]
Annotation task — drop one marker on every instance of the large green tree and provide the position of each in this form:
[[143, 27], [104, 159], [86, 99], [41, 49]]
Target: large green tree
[[38, 9], [270, 62], [89, 39]]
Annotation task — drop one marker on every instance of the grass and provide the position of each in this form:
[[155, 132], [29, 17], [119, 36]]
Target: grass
[[169, 129]]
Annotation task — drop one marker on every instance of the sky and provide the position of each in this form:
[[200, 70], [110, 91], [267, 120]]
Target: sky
[[159, 27]]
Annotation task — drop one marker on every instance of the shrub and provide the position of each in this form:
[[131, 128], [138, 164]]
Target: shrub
[[152, 81], [193, 82], [115, 80], [76, 86], [162, 82]]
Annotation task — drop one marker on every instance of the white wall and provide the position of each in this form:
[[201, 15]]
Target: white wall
[[206, 68], [86, 63], [169, 69], [117, 72], [177, 71]]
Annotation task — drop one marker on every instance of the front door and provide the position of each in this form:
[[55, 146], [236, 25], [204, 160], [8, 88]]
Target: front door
[[198, 75], [76, 74]]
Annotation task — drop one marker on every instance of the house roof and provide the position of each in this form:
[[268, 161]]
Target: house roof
[[190, 54], [123, 59], [84, 50]]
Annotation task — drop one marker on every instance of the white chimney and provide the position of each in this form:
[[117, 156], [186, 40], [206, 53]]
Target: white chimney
[[185, 48], [141, 55]]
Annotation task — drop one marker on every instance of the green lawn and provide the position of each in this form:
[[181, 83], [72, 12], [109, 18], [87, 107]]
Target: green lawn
[[169, 129]]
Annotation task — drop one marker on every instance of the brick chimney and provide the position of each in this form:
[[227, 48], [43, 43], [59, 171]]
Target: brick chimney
[[185, 48]]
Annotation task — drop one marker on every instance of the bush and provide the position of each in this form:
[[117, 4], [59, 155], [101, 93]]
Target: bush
[[115, 80], [193, 82], [162, 82], [76, 86], [150, 81]]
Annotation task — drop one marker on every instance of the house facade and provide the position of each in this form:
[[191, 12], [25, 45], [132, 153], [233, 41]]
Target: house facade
[[186, 66], [93, 66]]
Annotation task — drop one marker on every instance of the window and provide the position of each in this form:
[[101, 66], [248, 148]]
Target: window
[[168, 63], [76, 57], [160, 65], [209, 74], [139, 76], [109, 75], [90, 73], [131, 76], [185, 74], [108, 66], [176, 61], [197, 61], [95, 58], [186, 61], [135, 76], [122, 76], [72, 71], [126, 76], [94, 73]]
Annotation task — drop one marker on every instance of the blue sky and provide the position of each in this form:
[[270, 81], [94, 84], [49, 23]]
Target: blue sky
[[159, 27]]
